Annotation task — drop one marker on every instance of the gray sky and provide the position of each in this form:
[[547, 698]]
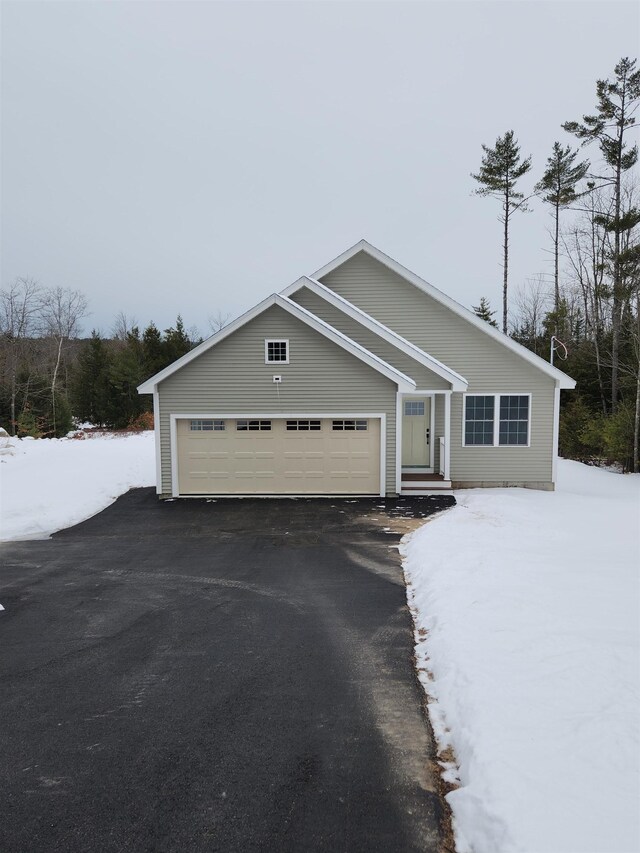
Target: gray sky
[[195, 157]]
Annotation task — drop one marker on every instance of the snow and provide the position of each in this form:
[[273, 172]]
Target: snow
[[526, 608], [527, 611], [48, 484]]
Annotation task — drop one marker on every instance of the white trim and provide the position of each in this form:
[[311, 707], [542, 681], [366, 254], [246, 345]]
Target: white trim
[[447, 437], [555, 433], [496, 418], [429, 469], [458, 382], [156, 439], [173, 431], [398, 442], [402, 380], [363, 246], [268, 341]]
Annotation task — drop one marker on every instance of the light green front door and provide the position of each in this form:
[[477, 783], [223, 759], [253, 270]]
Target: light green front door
[[416, 438]]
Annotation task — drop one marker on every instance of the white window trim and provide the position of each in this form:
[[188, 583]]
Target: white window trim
[[268, 341], [173, 435], [496, 419]]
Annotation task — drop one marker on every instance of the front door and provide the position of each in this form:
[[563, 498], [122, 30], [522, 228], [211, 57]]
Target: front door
[[416, 429]]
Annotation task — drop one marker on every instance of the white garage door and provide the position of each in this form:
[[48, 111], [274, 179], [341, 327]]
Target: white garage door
[[278, 457]]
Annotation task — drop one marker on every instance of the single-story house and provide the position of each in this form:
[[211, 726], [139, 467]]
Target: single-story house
[[361, 379]]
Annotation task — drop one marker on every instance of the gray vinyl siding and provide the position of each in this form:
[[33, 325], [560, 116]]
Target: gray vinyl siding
[[488, 366], [232, 377], [424, 378]]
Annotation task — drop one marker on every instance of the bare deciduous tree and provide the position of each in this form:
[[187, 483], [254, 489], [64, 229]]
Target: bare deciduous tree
[[20, 306], [62, 311], [218, 320]]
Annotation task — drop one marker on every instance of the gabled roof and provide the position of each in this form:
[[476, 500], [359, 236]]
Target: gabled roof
[[405, 383], [458, 382], [561, 378]]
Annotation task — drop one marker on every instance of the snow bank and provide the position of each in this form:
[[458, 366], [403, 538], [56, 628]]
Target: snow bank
[[527, 616], [48, 484]]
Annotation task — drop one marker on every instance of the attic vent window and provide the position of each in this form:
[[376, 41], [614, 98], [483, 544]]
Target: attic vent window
[[276, 351]]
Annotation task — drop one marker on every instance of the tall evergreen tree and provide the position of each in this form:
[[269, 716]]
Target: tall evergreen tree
[[154, 356], [616, 103], [127, 372], [90, 388], [558, 188], [176, 341], [484, 311], [500, 171]]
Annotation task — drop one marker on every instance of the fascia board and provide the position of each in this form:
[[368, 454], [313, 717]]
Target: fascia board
[[403, 381], [148, 386], [458, 382], [363, 246]]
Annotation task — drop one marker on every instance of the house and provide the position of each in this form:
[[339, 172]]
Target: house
[[362, 379]]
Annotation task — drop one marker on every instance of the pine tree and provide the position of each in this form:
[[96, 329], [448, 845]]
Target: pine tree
[[154, 357], [558, 188], [616, 103], [484, 311], [90, 391], [500, 171], [176, 342], [126, 373]]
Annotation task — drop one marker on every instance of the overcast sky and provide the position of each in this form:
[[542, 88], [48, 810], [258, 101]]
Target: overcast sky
[[194, 157]]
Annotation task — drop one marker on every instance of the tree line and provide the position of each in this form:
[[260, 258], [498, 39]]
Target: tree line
[[587, 313], [49, 377]]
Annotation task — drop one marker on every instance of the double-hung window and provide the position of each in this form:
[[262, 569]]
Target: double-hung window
[[497, 420]]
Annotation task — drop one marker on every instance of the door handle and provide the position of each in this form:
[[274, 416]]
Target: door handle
[[427, 434]]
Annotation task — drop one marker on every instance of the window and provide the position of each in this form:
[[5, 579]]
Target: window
[[205, 425], [514, 419], [414, 407], [478, 421], [300, 426], [350, 425], [497, 420], [276, 352], [253, 426]]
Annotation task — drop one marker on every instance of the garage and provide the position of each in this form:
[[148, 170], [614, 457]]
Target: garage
[[278, 456]]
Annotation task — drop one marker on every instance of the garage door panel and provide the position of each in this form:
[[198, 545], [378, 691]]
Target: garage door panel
[[287, 458]]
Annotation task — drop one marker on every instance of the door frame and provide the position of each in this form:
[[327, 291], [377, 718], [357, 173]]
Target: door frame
[[428, 469], [173, 435], [446, 463]]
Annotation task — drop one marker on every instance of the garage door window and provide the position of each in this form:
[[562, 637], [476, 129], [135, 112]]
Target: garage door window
[[206, 425], [350, 425], [303, 426], [253, 426]]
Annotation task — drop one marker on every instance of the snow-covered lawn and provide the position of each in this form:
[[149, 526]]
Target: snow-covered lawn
[[48, 484], [527, 613]]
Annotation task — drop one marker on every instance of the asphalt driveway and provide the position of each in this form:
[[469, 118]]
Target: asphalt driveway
[[214, 676]]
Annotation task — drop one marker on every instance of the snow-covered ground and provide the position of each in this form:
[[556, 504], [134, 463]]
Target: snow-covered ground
[[48, 484], [527, 614]]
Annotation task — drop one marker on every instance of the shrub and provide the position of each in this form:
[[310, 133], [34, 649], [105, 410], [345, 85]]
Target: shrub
[[142, 422]]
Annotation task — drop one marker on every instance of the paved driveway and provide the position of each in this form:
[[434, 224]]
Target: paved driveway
[[214, 676]]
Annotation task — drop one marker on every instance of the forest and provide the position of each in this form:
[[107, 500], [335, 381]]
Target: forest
[[586, 314]]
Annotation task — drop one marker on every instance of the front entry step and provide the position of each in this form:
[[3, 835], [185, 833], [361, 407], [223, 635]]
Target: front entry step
[[424, 483]]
